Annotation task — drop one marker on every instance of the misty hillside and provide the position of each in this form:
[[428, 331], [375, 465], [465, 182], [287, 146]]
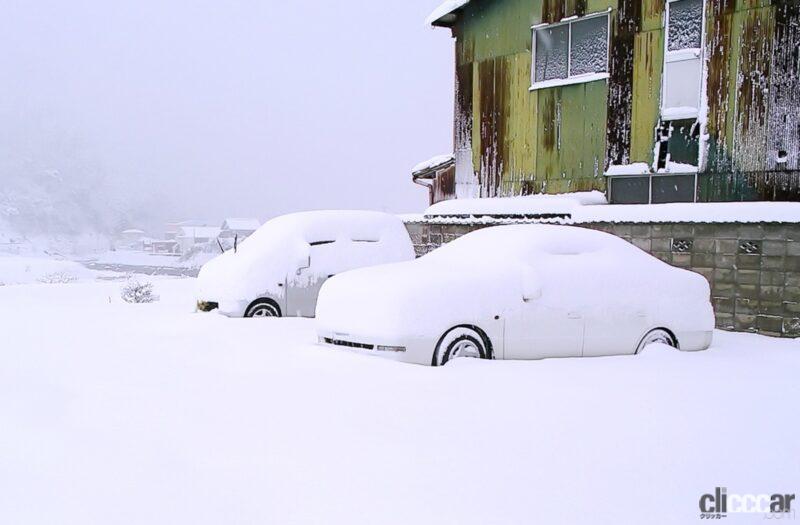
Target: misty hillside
[[49, 186]]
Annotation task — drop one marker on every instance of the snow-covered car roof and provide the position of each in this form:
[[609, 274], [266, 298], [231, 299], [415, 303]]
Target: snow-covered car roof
[[533, 243], [322, 225]]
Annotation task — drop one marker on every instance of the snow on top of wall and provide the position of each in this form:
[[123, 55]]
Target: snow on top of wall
[[242, 224], [636, 168], [692, 212], [539, 204], [677, 167], [701, 212], [432, 162], [447, 7], [642, 168]]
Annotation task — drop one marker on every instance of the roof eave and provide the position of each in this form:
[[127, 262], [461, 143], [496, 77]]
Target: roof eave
[[446, 15], [448, 20]]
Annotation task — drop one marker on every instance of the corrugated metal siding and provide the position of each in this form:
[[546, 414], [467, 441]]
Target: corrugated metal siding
[[562, 138], [626, 22], [648, 57], [783, 133]]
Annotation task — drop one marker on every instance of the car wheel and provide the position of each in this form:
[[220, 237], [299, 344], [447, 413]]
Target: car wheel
[[263, 308], [460, 342], [659, 335]]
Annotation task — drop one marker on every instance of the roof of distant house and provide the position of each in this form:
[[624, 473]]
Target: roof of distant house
[[133, 231], [241, 224], [199, 232]]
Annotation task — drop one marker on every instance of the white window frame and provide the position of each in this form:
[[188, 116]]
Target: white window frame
[[680, 55], [574, 79]]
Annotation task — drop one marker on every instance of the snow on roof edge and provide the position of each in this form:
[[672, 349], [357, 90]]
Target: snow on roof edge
[[446, 7], [433, 162]]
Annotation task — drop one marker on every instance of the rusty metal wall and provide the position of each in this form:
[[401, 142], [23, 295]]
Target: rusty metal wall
[[783, 126], [444, 185], [562, 138]]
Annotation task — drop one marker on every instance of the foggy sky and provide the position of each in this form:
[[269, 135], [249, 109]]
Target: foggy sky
[[237, 108]]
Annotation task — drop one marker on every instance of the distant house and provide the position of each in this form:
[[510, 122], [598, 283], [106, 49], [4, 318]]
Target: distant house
[[173, 229], [190, 236], [131, 239], [238, 228], [163, 247]]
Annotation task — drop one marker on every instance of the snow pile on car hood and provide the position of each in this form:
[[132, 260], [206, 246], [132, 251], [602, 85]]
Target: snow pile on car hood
[[282, 245]]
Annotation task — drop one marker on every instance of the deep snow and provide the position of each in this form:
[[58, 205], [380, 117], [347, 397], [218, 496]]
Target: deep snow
[[25, 270], [119, 413]]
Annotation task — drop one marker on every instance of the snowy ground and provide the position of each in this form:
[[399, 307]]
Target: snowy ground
[[25, 270], [132, 414]]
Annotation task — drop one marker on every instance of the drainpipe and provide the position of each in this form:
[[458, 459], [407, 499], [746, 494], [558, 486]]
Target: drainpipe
[[417, 180]]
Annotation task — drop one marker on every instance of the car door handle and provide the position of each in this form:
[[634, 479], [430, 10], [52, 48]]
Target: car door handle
[[573, 315]]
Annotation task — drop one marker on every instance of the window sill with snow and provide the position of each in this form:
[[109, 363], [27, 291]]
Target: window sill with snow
[[577, 79]]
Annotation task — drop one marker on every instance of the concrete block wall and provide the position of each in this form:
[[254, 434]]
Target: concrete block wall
[[753, 269]]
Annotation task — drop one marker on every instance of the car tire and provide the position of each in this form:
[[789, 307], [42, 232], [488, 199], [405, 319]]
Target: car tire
[[461, 341], [658, 335], [263, 308]]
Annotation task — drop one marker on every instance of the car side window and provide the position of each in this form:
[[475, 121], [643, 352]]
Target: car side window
[[323, 257]]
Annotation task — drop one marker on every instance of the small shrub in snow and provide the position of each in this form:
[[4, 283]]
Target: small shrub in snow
[[136, 291], [57, 278]]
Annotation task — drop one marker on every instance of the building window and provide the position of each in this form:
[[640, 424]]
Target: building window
[[571, 51], [682, 60], [685, 24]]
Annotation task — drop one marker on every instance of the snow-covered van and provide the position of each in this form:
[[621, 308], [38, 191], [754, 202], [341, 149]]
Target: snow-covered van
[[279, 270]]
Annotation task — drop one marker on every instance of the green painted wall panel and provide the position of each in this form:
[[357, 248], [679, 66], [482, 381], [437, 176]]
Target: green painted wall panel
[[648, 62], [496, 28], [571, 145], [652, 15], [593, 6]]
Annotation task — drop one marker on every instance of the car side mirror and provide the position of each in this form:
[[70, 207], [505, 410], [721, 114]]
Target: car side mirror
[[531, 286], [532, 294]]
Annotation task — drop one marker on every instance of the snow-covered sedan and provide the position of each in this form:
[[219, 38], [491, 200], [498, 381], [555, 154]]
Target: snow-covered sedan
[[518, 292], [279, 270]]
